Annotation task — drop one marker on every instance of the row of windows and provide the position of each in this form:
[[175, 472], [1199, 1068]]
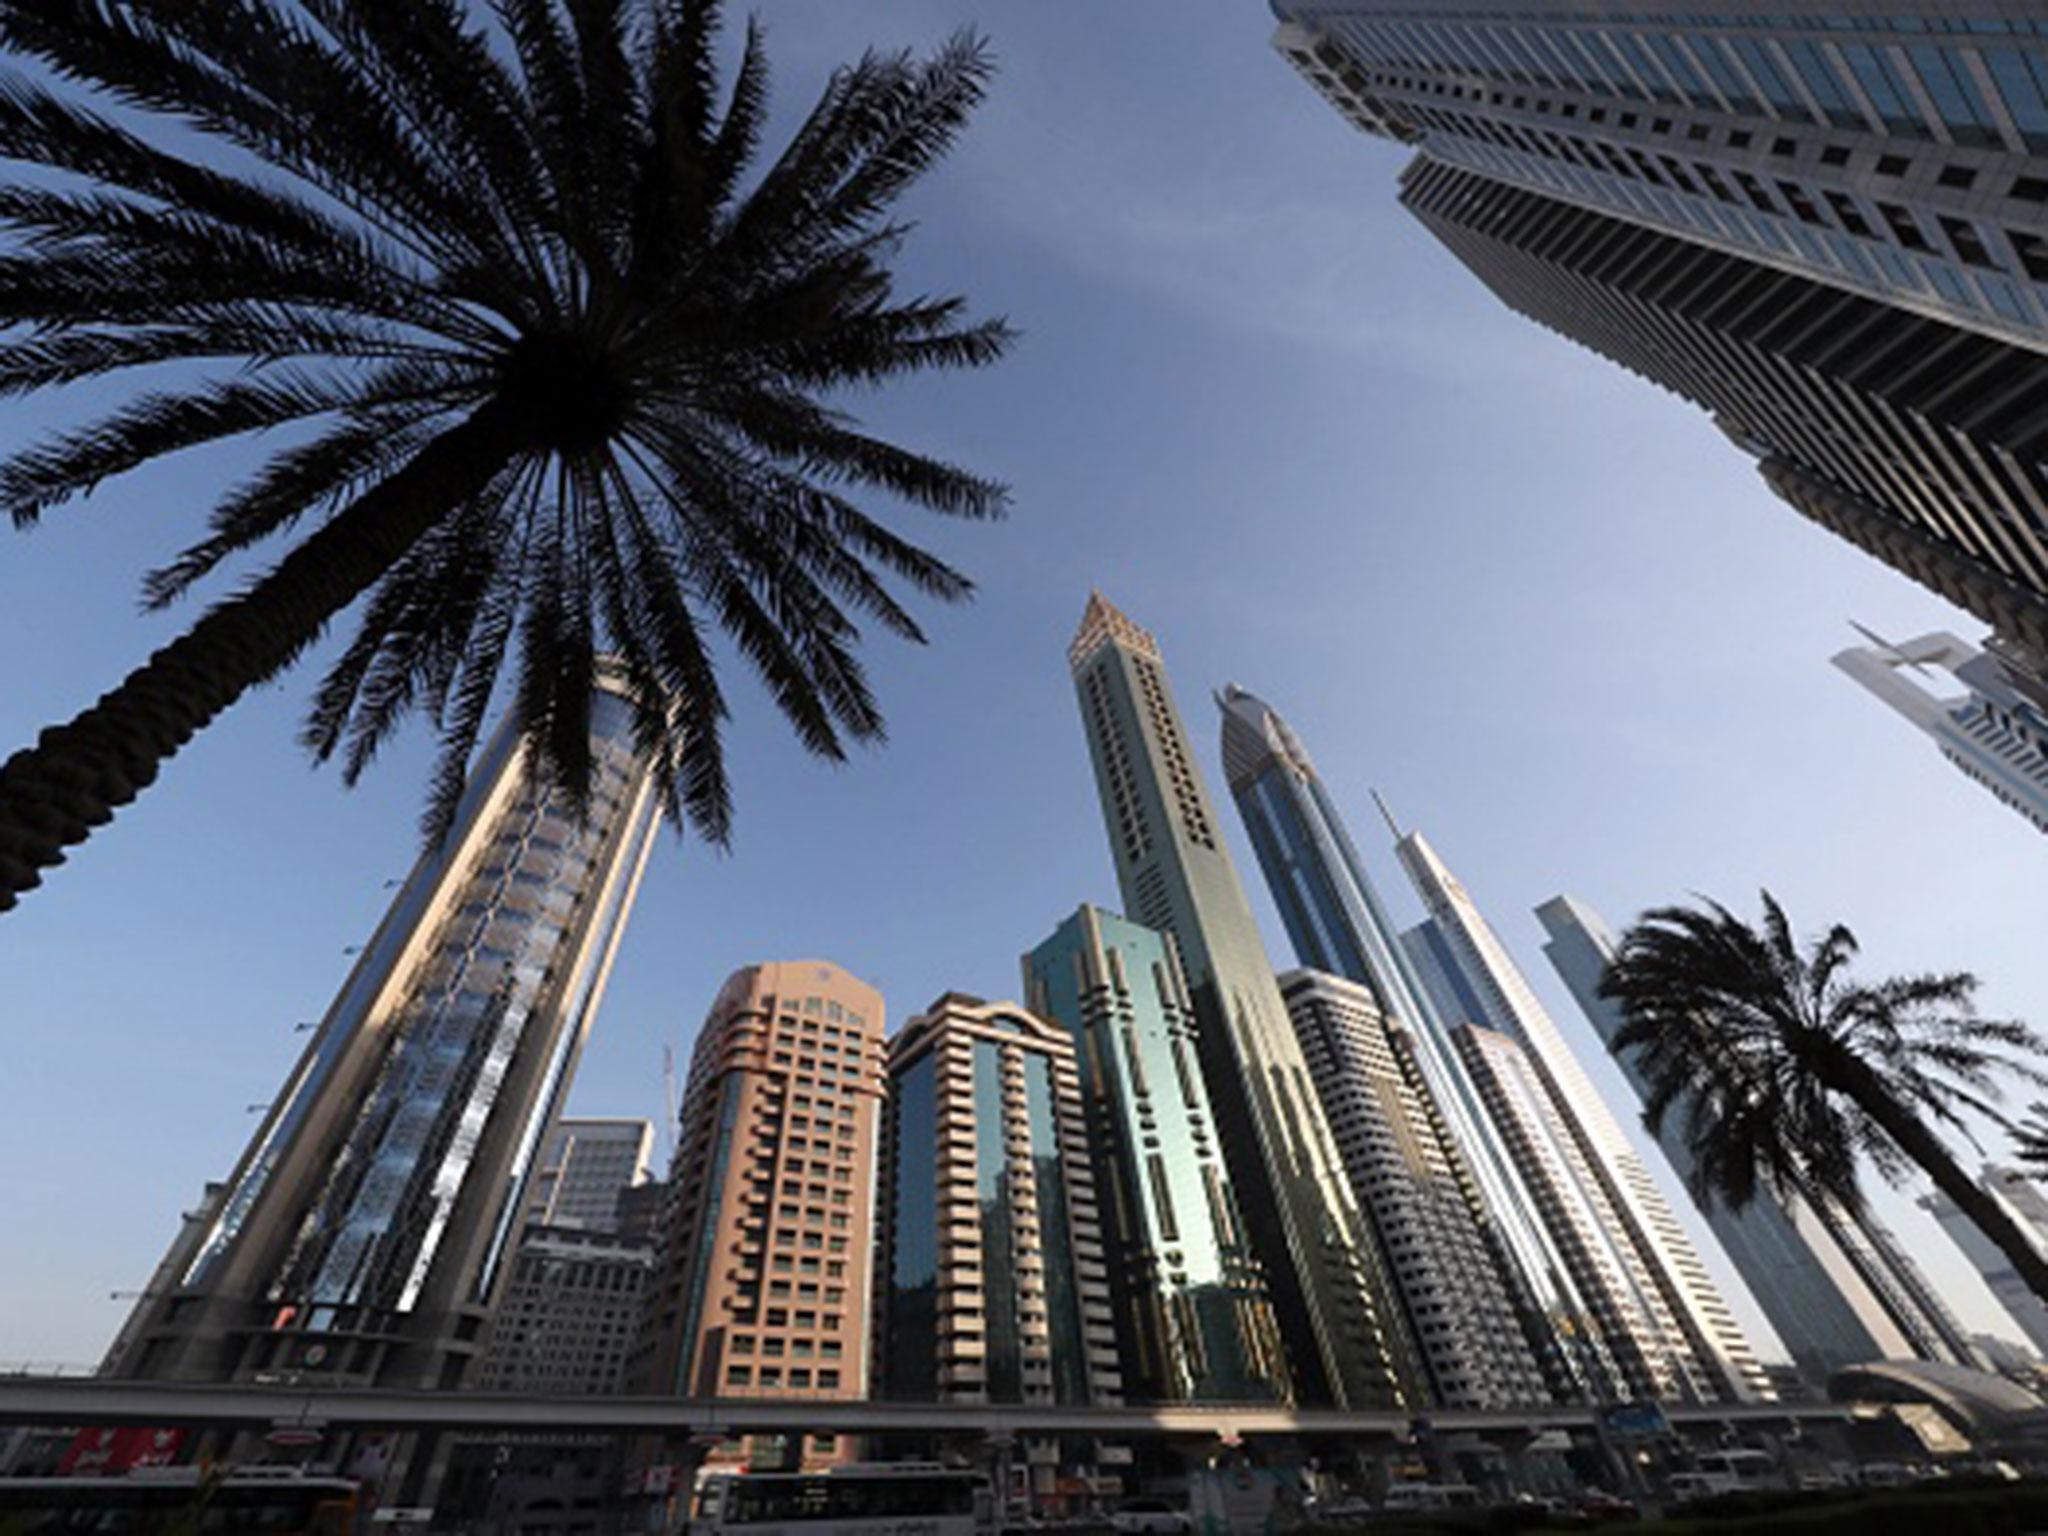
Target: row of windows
[[1888, 88], [800, 1349], [1888, 454], [1882, 230], [800, 1377]]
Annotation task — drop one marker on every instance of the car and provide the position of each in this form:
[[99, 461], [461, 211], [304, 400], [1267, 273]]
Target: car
[[1602, 1507], [1341, 1511], [1150, 1517]]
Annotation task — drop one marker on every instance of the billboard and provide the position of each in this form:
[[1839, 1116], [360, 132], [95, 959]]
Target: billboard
[[111, 1452]]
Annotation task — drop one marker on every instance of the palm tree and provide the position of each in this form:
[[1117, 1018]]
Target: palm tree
[[563, 367], [1786, 1072]]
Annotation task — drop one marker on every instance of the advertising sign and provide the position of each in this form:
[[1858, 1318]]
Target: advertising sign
[[111, 1452]]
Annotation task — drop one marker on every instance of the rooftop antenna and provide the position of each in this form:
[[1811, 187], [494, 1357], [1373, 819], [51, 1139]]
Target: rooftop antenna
[[1387, 816], [1890, 648]]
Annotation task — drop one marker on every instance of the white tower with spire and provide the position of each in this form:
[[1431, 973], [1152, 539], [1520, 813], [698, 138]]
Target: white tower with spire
[[1996, 730]]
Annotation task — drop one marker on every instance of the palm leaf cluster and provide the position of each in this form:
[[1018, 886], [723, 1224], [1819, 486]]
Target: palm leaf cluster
[[1784, 1070], [562, 364]]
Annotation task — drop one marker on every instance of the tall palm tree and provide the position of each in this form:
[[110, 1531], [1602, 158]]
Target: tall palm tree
[[564, 367], [1786, 1072]]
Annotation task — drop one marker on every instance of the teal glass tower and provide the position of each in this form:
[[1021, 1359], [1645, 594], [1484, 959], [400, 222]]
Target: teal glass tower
[[1194, 1322], [1346, 1343]]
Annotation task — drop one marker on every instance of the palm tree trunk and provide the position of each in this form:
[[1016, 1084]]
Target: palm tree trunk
[[78, 774], [1920, 1143]]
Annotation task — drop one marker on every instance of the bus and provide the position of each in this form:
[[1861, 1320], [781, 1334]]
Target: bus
[[902, 1499], [164, 1500]]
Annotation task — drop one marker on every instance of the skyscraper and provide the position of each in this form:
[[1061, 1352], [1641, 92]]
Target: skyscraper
[[768, 1236], [1637, 1329], [2000, 1278], [568, 1319], [1689, 1338], [1344, 1335], [366, 1231], [586, 1167], [1194, 1322], [991, 1280], [2022, 1197], [1338, 924], [1825, 228], [1996, 730], [1412, 1184], [1831, 1284]]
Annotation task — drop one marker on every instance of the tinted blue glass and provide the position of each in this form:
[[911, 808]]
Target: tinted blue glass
[[1631, 48], [1682, 73], [1821, 79], [1955, 96], [1623, 81], [2021, 82], [1737, 94], [911, 1364], [1886, 92], [1056, 1233], [1005, 1360], [1768, 78]]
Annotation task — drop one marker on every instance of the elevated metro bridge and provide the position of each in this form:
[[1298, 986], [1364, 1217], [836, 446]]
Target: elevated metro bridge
[[39, 1400]]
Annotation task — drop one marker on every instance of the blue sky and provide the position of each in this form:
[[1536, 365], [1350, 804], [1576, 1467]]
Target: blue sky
[[1546, 610]]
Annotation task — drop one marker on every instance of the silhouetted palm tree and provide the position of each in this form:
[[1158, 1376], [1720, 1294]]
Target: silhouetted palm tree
[[1786, 1072], [563, 360]]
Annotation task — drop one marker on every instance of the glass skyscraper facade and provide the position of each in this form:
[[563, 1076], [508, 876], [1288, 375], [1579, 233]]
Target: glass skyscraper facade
[[1669, 1325], [1828, 226], [1339, 1316], [992, 1286], [1194, 1321], [1338, 924], [367, 1229]]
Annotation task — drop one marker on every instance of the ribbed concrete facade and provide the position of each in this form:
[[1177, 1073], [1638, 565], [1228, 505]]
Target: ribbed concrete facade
[[1638, 1332], [992, 1283], [1346, 1341], [1194, 1320], [1413, 1185], [369, 1226], [1826, 224], [768, 1239]]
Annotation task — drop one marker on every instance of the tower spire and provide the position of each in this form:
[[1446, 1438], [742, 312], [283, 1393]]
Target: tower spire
[[1387, 816]]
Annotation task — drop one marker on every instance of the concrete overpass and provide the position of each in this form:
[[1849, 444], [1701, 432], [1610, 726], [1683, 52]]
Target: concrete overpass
[[30, 1400]]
